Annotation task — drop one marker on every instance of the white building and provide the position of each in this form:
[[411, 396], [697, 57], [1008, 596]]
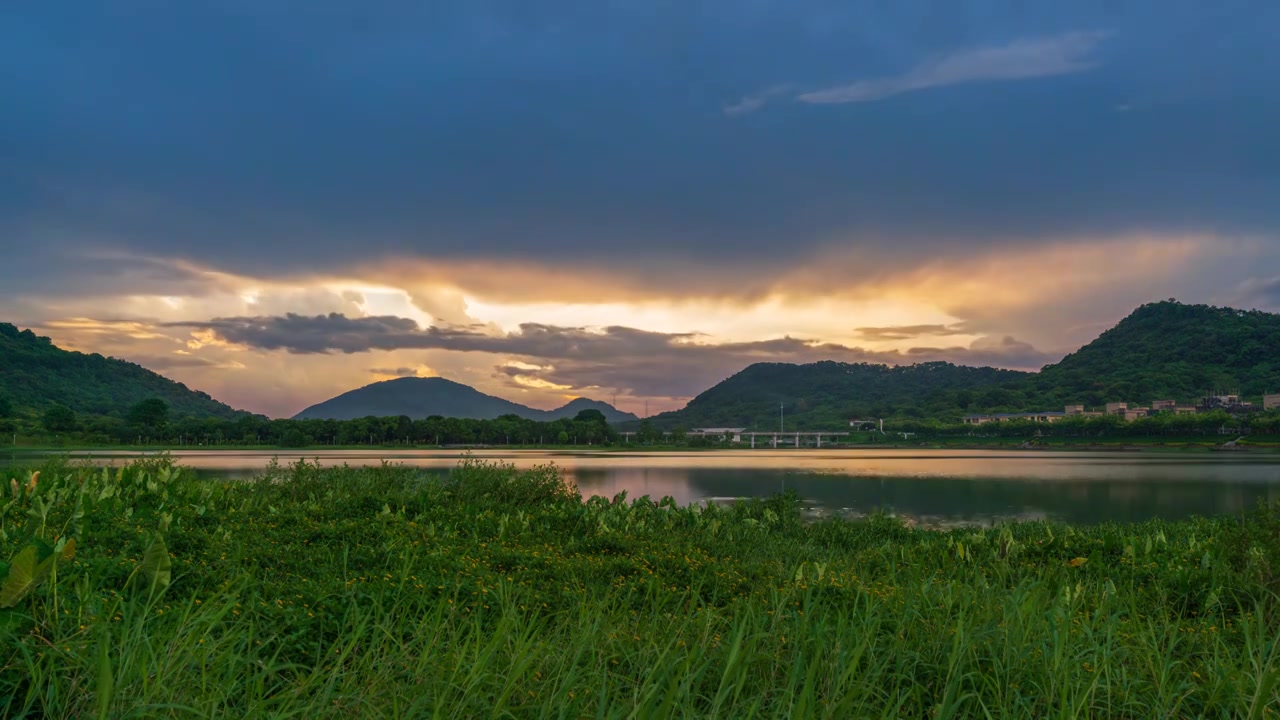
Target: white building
[[734, 433]]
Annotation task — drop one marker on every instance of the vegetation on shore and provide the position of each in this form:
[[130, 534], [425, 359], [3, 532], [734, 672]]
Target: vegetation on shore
[[388, 592], [148, 423]]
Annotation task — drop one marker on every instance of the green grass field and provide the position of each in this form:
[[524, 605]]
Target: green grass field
[[384, 593]]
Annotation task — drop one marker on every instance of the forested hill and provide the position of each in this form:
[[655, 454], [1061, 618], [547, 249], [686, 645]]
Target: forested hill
[[1167, 350], [826, 394], [1163, 350], [423, 397], [35, 374]]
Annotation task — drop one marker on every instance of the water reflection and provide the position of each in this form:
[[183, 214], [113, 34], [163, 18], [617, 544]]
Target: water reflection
[[967, 487]]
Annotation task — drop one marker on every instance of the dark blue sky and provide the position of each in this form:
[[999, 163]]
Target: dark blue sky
[[578, 129]]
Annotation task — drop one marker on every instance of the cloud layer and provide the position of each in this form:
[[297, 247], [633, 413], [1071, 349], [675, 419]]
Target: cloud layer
[[644, 362]]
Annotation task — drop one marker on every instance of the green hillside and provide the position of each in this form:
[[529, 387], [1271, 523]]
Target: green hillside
[[826, 394], [1163, 350], [35, 375], [1167, 350]]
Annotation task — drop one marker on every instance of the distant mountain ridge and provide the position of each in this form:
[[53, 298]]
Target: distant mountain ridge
[[1163, 350], [35, 374], [423, 397], [824, 394]]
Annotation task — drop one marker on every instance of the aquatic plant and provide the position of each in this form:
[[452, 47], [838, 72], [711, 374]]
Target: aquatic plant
[[387, 592]]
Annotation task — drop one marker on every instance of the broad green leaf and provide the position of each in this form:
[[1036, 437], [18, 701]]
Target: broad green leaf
[[68, 552], [154, 573], [27, 570]]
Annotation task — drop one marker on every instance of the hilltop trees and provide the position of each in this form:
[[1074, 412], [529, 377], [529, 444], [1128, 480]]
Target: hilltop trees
[[37, 374]]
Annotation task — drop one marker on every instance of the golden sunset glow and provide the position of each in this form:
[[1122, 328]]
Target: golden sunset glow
[[1049, 298]]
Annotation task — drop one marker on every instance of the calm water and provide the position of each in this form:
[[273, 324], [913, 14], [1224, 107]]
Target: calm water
[[934, 487]]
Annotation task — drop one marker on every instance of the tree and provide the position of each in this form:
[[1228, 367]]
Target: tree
[[648, 433], [294, 438], [59, 418], [152, 414], [590, 415], [6, 406]]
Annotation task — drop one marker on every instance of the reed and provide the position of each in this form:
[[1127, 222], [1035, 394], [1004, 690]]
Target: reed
[[384, 592]]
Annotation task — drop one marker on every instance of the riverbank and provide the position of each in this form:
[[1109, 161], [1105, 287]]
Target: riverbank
[[384, 592], [1198, 445]]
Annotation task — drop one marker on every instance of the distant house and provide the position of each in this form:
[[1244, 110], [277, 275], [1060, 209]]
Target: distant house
[[1074, 410], [1162, 405], [1131, 414], [1045, 417], [735, 434], [1230, 403], [1117, 408], [1271, 402]]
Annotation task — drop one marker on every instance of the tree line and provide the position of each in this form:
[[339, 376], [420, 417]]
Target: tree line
[[150, 422]]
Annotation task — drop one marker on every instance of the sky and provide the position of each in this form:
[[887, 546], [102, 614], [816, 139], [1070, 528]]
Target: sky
[[277, 202]]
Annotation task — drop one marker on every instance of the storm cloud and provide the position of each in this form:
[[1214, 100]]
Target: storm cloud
[[644, 362], [299, 140]]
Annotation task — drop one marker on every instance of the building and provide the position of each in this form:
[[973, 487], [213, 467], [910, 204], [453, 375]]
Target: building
[[1271, 402], [1045, 417], [734, 434], [1074, 410], [1228, 402], [1117, 408], [1162, 405], [1131, 414]]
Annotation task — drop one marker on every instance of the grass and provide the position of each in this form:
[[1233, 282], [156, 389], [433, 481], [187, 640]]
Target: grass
[[386, 593]]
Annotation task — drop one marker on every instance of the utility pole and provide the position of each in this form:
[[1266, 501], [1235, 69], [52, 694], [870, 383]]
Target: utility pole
[[782, 427]]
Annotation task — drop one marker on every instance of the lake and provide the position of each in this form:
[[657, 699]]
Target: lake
[[933, 487]]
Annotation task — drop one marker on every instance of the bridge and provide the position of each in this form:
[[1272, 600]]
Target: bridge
[[739, 435]]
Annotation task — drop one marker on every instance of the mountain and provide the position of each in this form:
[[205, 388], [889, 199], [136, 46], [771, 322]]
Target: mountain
[[35, 374], [424, 397], [577, 405], [826, 394], [1164, 350], [1167, 350]]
